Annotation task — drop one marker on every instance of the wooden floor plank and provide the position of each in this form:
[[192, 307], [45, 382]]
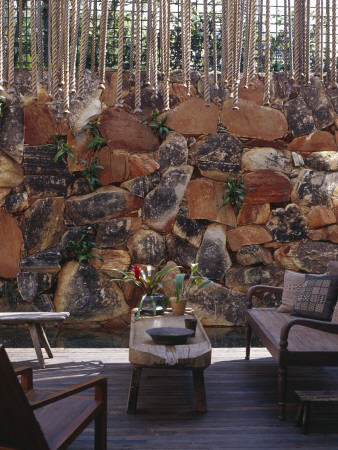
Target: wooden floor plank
[[241, 396]]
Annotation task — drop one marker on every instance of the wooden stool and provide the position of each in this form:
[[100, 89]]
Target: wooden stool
[[306, 397]]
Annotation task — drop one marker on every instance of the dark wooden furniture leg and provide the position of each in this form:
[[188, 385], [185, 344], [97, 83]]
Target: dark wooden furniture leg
[[101, 419], [133, 390], [306, 417], [199, 390], [282, 386], [36, 342], [248, 335], [43, 339]]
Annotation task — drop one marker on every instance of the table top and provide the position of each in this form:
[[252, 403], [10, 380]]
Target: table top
[[143, 352]]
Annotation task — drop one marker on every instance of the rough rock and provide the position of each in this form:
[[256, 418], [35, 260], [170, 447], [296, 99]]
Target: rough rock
[[246, 235], [299, 117], [161, 205], [115, 166], [188, 229], [322, 161], [43, 224], [11, 132], [180, 251], [318, 141], [281, 87], [173, 151], [335, 207], [149, 104], [168, 280], [287, 224], [3, 194], [98, 299], [40, 124], [314, 188], [217, 305], [16, 202], [39, 160], [319, 103], [204, 199], [269, 158], [141, 186], [11, 174], [75, 234], [90, 109], [251, 120], [242, 278], [41, 186], [253, 93], [269, 187], [105, 203], [180, 91], [31, 284], [115, 232], [193, 118], [309, 256], [218, 155], [124, 132], [45, 261], [141, 164], [79, 187], [216, 90], [213, 258], [10, 248], [320, 216], [109, 93], [112, 260], [79, 145], [250, 255], [146, 247], [278, 145], [257, 214], [329, 233]]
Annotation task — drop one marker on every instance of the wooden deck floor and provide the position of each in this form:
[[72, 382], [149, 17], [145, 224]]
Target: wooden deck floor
[[241, 395]]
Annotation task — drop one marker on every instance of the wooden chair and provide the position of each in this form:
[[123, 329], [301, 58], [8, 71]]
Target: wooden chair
[[37, 420]]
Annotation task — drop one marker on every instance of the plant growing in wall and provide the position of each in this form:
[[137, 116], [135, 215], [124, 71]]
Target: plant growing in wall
[[235, 192], [61, 147], [83, 248], [158, 125], [97, 141], [89, 171]]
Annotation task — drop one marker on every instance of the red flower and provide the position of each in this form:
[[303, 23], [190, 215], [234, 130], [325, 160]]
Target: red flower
[[136, 271]]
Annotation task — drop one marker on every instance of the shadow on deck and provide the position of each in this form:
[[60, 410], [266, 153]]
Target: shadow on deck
[[241, 395]]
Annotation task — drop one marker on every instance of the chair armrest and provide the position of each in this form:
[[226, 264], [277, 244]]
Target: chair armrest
[[260, 288], [328, 327], [99, 383], [26, 377]]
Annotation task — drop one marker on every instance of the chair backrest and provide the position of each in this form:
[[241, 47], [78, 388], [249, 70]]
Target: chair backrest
[[19, 428]]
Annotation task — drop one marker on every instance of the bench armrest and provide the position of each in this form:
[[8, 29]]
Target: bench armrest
[[260, 288], [328, 327], [26, 374]]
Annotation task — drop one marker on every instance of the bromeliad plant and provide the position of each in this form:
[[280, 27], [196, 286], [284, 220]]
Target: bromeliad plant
[[97, 141], [89, 171], [61, 147], [158, 124], [235, 192], [149, 282], [184, 284], [83, 248]]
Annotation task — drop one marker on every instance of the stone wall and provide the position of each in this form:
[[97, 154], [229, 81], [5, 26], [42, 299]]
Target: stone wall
[[163, 199]]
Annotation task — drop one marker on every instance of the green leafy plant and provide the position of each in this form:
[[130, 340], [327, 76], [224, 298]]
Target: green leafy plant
[[97, 142], [3, 104], [89, 170], [184, 284], [8, 292], [235, 192], [83, 248], [158, 125], [61, 147]]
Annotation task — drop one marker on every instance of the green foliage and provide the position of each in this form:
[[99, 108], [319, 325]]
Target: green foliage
[[7, 291], [3, 104], [97, 141], [89, 170], [158, 124], [235, 192], [83, 248], [61, 147], [184, 285]]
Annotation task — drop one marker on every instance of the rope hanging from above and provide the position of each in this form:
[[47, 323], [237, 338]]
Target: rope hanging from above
[[66, 58], [138, 59], [120, 57], [103, 43], [319, 24], [334, 84], [20, 21], [54, 48], [267, 78], [153, 74], [73, 44], [132, 32], [10, 57], [214, 34], [206, 54], [328, 42], [33, 53], [187, 44], [307, 45], [49, 49], [93, 51], [84, 45], [166, 52], [40, 41], [149, 40], [225, 42], [260, 37]]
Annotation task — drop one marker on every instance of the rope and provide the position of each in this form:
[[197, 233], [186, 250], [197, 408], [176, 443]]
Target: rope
[[225, 41], [187, 46], [132, 32], [237, 49], [54, 47], [307, 44], [334, 46], [92, 62], [120, 57], [154, 50], [138, 59], [321, 41], [297, 42], [3, 12], [183, 41], [40, 44], [247, 43], [76, 5], [266, 97], [328, 41], [166, 12], [231, 49], [285, 49], [49, 47], [214, 41], [206, 53], [291, 71], [11, 47], [33, 52], [260, 37], [317, 39], [84, 44], [301, 39], [20, 21], [60, 41], [149, 37], [252, 42], [66, 57], [1, 46], [103, 43]]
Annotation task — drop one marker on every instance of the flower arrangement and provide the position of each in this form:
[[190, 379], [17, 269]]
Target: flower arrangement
[[149, 282], [184, 285]]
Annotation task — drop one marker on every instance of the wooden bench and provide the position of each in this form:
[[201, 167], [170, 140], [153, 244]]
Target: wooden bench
[[292, 341], [35, 322]]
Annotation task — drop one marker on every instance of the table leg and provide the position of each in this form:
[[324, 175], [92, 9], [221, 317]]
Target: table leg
[[199, 390], [36, 343], [43, 339], [133, 390]]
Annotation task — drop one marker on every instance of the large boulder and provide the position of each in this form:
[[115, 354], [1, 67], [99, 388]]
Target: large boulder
[[115, 232], [318, 141], [217, 156], [105, 203], [115, 165], [40, 124], [10, 248], [161, 205], [299, 117], [141, 186], [112, 260], [329, 233], [242, 278], [323, 161], [258, 214], [146, 247], [320, 216], [250, 255], [251, 120], [11, 132], [269, 158], [31, 284], [287, 224], [180, 251], [47, 261], [98, 299], [173, 151], [39, 160], [11, 174], [266, 186], [247, 235], [188, 229], [141, 164], [41, 186], [314, 188]]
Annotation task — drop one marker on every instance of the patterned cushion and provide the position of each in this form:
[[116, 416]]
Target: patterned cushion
[[293, 283], [332, 268], [335, 314], [317, 297]]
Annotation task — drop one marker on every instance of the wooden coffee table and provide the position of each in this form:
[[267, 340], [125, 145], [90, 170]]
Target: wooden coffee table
[[195, 355]]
